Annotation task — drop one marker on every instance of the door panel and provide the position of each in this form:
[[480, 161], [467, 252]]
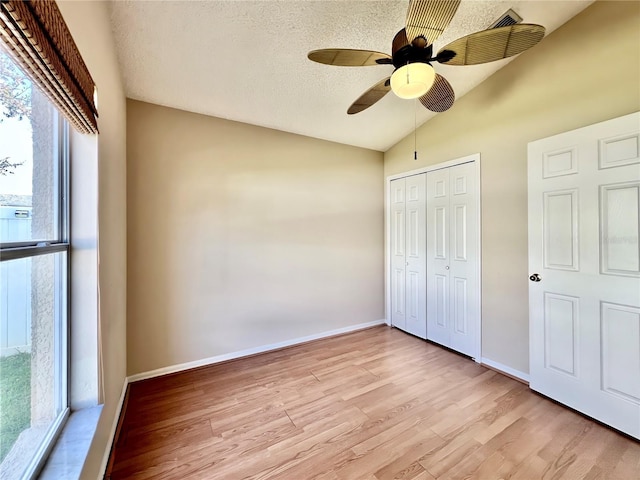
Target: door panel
[[619, 250], [584, 191], [398, 288], [438, 302], [398, 262], [561, 229], [440, 232], [460, 233], [619, 150], [560, 162], [416, 322], [452, 258], [621, 350], [460, 306], [413, 294], [413, 233], [398, 233], [464, 259], [560, 332], [441, 306]]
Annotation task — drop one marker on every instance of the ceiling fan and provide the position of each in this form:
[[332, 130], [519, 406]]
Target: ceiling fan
[[412, 50]]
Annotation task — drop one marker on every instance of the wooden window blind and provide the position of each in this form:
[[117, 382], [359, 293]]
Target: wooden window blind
[[36, 36]]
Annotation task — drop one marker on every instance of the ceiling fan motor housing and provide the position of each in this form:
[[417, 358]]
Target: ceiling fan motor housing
[[412, 54]]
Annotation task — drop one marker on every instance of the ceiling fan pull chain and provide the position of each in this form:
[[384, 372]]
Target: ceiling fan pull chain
[[415, 127]]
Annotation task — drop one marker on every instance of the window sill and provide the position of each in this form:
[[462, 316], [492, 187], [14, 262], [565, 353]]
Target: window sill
[[70, 451]]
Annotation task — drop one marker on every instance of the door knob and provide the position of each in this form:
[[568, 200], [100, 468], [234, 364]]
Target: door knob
[[447, 267], [535, 277]]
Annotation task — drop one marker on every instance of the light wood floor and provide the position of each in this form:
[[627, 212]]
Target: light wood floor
[[376, 404]]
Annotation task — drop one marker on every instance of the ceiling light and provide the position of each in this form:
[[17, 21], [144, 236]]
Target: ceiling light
[[412, 80]]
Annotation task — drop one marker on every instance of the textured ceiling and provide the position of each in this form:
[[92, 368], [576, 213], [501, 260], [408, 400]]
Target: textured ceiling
[[247, 60]]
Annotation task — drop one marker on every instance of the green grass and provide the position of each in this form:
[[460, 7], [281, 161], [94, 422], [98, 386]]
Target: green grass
[[15, 399]]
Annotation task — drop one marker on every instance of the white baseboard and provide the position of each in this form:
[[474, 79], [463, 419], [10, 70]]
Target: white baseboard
[[250, 351], [508, 370], [114, 426]]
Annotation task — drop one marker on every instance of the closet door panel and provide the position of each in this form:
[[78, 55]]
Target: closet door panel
[[452, 258], [398, 262], [438, 253], [415, 195], [464, 258]]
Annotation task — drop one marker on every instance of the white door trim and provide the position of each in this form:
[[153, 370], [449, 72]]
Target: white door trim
[[475, 158]]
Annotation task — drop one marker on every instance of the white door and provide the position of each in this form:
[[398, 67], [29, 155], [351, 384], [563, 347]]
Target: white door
[[584, 260], [408, 264], [453, 258]]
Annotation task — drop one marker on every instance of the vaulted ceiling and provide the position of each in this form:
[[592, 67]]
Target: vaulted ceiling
[[247, 60]]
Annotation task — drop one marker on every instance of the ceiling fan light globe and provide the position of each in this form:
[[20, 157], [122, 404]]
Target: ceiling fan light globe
[[412, 80]]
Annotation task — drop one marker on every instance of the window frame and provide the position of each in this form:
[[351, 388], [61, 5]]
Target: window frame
[[29, 249]]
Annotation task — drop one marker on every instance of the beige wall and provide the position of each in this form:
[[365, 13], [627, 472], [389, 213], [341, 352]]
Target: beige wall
[[90, 27], [585, 72], [241, 236]]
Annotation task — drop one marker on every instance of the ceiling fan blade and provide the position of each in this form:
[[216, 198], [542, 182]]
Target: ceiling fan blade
[[346, 57], [440, 96], [428, 19], [399, 41], [370, 97], [493, 44]]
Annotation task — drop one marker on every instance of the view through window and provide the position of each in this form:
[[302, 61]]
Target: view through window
[[33, 273]]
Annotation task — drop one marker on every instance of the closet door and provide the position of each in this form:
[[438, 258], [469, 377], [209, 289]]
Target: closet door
[[453, 258], [408, 249], [398, 262]]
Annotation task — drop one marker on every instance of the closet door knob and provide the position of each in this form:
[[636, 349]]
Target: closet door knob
[[535, 277], [447, 267]]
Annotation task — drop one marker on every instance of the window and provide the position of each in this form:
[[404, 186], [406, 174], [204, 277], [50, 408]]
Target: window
[[34, 252]]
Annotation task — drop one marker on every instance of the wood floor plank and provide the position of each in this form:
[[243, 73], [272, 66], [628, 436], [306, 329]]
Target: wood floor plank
[[406, 465], [373, 405]]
